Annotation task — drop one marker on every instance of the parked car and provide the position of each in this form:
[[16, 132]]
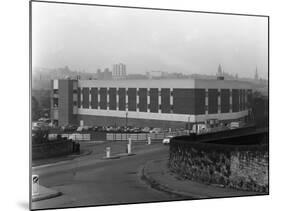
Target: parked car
[[234, 125], [156, 130], [98, 129], [167, 139], [69, 128], [199, 128], [136, 130], [83, 128], [41, 125], [146, 129], [44, 119], [110, 129]]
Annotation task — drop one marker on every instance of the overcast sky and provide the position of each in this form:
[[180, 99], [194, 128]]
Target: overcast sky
[[92, 37]]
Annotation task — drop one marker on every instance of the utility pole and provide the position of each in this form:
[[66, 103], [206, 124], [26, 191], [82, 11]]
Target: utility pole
[[188, 125], [126, 119]]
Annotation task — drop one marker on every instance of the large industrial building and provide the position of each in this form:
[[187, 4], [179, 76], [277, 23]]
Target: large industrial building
[[153, 103]]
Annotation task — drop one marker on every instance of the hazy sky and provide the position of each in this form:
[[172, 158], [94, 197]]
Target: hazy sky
[[91, 37]]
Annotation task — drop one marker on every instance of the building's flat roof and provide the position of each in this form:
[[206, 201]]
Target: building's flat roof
[[168, 83]]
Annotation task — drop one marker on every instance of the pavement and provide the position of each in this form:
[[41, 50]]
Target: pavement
[[95, 181], [45, 193], [157, 175]]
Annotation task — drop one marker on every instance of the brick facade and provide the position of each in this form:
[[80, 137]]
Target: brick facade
[[188, 102]]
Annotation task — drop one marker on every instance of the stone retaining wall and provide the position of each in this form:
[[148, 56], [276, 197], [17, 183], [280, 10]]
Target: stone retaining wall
[[241, 167]]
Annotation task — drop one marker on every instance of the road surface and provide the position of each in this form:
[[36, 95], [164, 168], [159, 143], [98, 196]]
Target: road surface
[[92, 181]]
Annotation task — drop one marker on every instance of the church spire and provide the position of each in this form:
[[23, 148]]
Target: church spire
[[220, 73]]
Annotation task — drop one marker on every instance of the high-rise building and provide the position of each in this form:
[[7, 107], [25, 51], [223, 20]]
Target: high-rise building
[[119, 71], [105, 75], [256, 74]]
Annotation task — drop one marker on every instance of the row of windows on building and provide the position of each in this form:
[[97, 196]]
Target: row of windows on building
[[184, 101]]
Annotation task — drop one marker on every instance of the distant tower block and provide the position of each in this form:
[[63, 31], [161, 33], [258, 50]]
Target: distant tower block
[[119, 71], [256, 74], [220, 73]]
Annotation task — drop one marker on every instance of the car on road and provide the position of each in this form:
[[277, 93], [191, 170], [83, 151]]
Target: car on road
[[167, 139]]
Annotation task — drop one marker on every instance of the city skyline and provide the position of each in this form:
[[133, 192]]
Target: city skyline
[[145, 40], [38, 71]]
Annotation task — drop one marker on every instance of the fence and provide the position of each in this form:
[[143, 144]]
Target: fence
[[74, 136], [102, 136], [142, 136]]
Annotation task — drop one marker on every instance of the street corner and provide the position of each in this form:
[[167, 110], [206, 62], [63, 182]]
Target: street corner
[[118, 156], [45, 193], [150, 173], [111, 157], [126, 154]]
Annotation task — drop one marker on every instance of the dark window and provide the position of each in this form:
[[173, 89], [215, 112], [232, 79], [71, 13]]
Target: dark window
[[184, 101], [165, 101], [103, 98], [225, 100], [55, 102], [154, 100], [122, 99], [235, 100], [142, 100], [79, 97], [94, 96], [213, 101], [85, 92], [199, 101], [132, 99], [112, 99]]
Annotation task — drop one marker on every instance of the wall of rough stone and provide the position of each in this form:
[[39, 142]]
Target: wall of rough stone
[[52, 149], [249, 170], [239, 167]]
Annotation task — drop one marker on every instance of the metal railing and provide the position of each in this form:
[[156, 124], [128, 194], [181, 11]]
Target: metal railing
[[82, 136], [142, 136]]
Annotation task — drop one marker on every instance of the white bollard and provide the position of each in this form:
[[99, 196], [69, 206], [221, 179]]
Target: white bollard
[[107, 152], [149, 140], [129, 148], [35, 185]]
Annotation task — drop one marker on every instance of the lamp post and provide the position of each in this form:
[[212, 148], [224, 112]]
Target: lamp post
[[126, 123], [188, 125], [126, 119]]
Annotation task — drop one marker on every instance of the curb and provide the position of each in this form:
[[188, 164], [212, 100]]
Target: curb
[[158, 186], [118, 156], [44, 197], [187, 194], [72, 157]]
